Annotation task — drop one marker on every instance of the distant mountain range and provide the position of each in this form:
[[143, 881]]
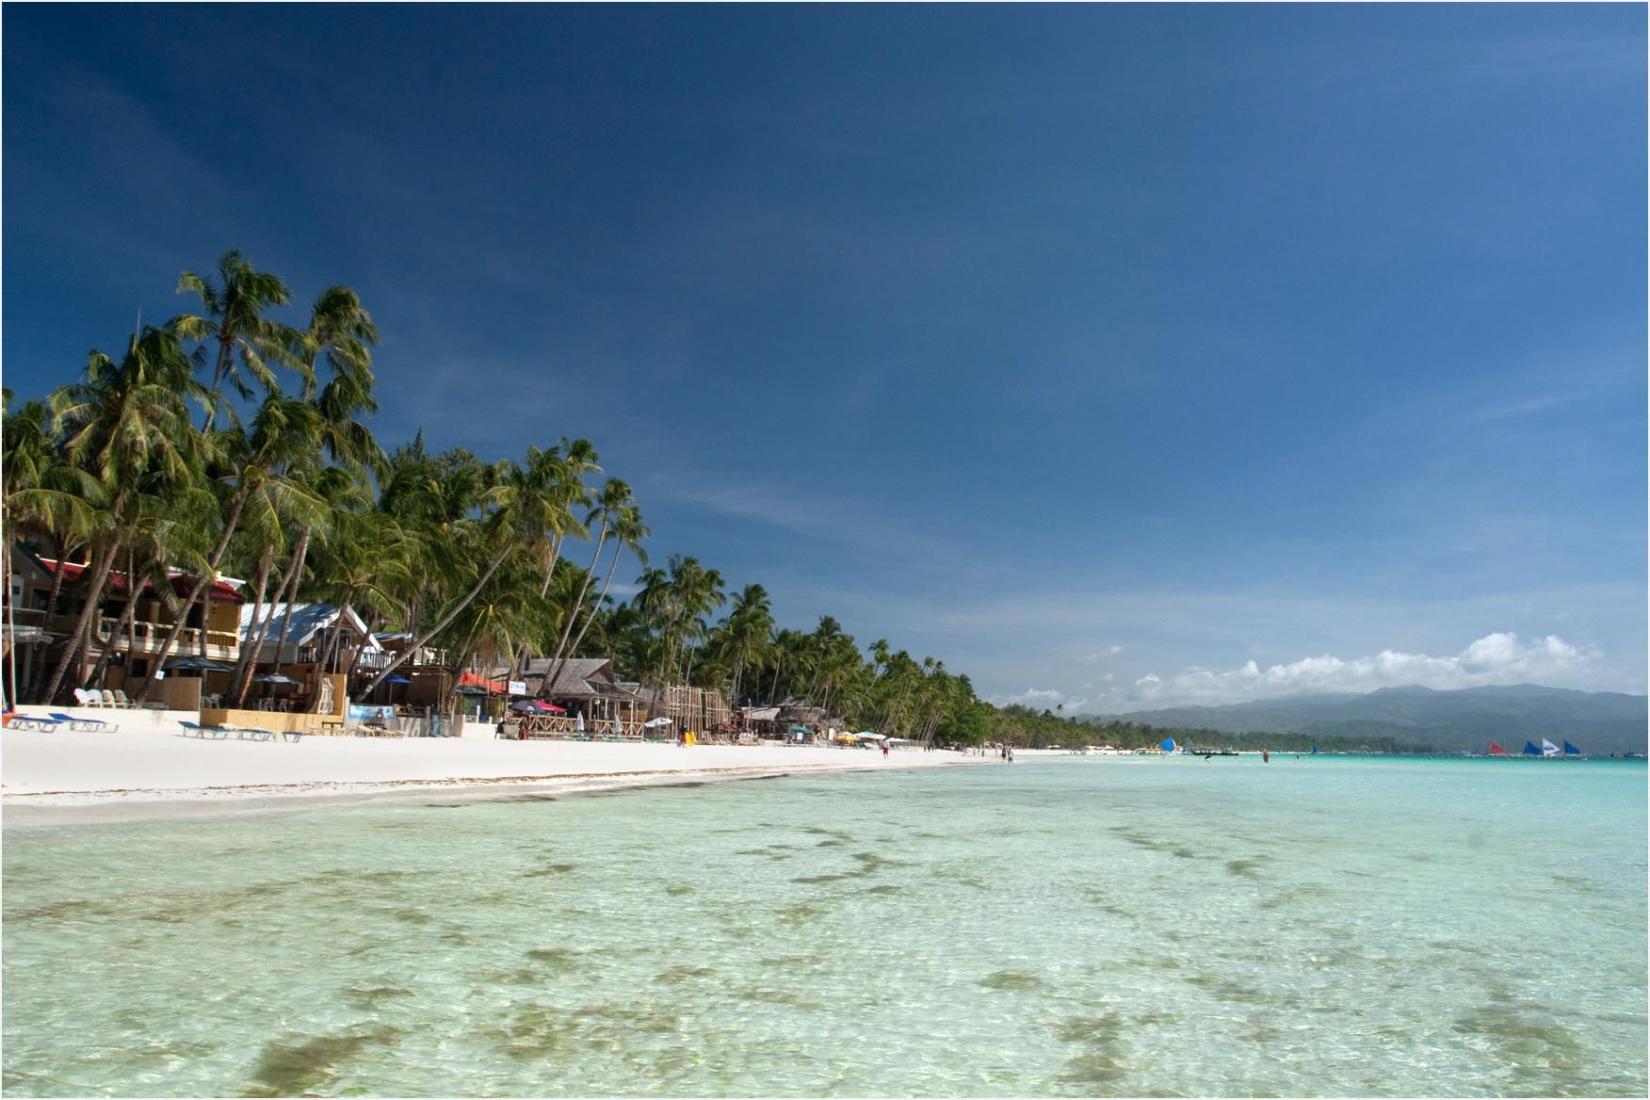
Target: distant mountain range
[[1599, 723]]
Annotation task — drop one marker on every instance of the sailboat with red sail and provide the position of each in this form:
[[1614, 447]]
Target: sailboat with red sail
[[1496, 749]]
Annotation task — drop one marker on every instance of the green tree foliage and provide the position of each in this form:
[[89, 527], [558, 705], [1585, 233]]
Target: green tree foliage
[[291, 490]]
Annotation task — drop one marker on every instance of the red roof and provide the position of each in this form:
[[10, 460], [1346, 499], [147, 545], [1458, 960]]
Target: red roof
[[222, 591]]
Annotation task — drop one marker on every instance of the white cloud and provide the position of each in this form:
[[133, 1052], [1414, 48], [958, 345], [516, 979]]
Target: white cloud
[[1500, 658], [1041, 699]]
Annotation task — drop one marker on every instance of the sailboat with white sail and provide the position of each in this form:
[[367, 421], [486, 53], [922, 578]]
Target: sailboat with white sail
[[1547, 750]]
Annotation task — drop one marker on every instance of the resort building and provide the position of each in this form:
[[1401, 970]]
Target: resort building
[[587, 694], [320, 637], [133, 641], [315, 631]]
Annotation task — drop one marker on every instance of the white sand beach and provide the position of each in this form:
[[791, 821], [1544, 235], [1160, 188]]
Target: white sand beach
[[68, 777]]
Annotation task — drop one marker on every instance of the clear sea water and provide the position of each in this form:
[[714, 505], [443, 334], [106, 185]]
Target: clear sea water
[[1071, 927]]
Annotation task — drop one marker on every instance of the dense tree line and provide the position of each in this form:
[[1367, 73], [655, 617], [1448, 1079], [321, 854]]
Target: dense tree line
[[234, 440], [230, 440]]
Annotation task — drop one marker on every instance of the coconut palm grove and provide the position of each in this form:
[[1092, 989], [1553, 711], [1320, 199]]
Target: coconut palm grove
[[236, 440]]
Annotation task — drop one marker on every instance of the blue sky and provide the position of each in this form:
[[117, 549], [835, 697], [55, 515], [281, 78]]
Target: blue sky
[[1118, 356]]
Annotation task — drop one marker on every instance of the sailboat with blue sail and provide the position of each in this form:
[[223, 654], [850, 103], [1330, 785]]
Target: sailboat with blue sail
[[1530, 749], [1570, 751]]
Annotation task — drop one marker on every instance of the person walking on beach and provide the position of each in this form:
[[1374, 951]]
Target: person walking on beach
[[885, 750]]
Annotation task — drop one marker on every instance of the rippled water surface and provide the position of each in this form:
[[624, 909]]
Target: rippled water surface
[[1138, 926]]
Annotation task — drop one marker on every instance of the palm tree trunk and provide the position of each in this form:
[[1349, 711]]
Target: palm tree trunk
[[225, 350], [38, 678], [329, 652], [551, 556], [452, 613], [294, 572], [207, 577], [240, 679], [104, 560], [573, 614], [123, 623], [206, 617], [8, 697]]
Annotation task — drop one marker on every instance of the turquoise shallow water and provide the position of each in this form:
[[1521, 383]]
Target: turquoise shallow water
[[1137, 926]]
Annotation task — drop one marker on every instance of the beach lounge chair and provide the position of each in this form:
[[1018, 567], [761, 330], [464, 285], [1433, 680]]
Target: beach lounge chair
[[87, 698], [195, 729], [33, 722], [122, 700], [86, 725], [109, 698], [253, 732]]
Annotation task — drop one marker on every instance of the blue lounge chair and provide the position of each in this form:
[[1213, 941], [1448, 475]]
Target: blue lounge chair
[[33, 722], [193, 729], [86, 725], [256, 734]]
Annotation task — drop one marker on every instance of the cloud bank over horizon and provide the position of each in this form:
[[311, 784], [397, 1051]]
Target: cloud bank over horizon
[[1497, 658]]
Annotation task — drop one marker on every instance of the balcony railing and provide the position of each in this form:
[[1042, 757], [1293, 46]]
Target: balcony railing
[[146, 637]]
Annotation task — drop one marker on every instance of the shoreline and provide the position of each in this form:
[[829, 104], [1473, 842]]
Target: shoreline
[[69, 779]]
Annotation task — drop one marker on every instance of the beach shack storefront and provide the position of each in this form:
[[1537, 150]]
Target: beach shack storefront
[[582, 701]]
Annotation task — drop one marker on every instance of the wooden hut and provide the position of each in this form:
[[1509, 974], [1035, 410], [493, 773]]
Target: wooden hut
[[595, 704]]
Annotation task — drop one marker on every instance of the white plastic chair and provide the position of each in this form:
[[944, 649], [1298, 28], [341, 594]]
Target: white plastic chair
[[109, 698]]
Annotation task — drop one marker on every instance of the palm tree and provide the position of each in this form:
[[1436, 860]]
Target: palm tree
[[362, 558], [822, 639], [510, 516], [127, 427], [791, 659], [613, 499], [746, 633], [150, 545], [628, 532], [262, 471], [41, 493], [341, 329], [677, 601], [246, 341]]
